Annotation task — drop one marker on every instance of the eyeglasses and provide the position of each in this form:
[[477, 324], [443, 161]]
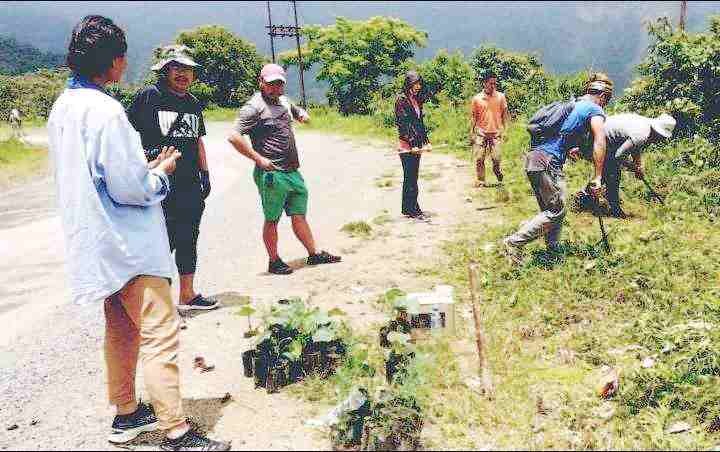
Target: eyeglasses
[[180, 68]]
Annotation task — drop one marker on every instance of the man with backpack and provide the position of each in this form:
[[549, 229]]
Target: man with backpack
[[554, 130]]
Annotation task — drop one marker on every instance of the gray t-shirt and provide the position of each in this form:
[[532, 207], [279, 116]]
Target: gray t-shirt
[[627, 126], [269, 126]]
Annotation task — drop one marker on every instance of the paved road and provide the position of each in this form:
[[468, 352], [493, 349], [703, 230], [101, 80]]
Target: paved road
[[51, 367]]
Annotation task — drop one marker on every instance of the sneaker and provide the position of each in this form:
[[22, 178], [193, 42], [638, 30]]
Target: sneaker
[[419, 216], [278, 267], [513, 253], [127, 427], [193, 440], [199, 303], [323, 257]]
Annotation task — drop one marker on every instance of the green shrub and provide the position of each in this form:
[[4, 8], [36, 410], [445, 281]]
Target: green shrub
[[680, 75], [33, 94]]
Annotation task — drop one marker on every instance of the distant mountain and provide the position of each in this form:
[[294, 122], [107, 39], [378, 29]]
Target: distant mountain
[[568, 36], [16, 58]]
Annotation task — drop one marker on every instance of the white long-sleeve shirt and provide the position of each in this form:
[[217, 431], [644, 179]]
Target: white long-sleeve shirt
[[108, 199]]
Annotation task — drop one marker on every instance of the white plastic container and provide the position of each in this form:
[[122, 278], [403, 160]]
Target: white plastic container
[[439, 301]]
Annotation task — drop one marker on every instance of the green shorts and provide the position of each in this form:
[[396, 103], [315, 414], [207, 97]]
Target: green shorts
[[281, 190]]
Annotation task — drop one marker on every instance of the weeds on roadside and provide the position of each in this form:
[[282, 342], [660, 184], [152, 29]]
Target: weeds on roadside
[[358, 229]]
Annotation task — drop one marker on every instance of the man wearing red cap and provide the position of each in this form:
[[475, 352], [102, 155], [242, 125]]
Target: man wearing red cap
[[267, 119]]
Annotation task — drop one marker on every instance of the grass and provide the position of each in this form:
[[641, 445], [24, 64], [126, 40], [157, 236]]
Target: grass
[[358, 229], [220, 114], [19, 161], [554, 323], [327, 119]]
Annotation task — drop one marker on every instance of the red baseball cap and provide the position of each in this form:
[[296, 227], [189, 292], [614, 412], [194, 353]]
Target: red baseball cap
[[272, 72]]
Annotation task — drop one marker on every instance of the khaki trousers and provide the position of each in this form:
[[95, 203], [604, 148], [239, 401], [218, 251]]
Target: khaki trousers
[[484, 146], [142, 318]]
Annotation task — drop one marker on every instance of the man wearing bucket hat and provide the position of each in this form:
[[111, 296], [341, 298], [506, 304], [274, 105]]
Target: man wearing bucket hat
[[628, 134], [167, 114], [267, 119]]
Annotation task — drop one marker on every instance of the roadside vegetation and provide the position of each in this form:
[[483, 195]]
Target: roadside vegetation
[[558, 325], [561, 324], [18, 161]]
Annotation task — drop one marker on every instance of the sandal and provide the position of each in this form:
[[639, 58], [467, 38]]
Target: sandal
[[323, 257]]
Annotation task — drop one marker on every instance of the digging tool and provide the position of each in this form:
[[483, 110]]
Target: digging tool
[[653, 193], [597, 211]]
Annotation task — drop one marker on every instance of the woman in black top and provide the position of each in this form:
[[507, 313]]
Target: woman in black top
[[413, 139]]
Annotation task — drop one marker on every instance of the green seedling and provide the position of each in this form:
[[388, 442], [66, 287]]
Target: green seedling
[[248, 311]]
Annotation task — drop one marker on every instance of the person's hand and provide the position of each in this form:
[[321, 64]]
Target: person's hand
[[638, 170], [427, 147], [162, 155], [415, 150], [574, 154], [596, 187], [167, 162], [266, 164], [204, 183], [303, 117]]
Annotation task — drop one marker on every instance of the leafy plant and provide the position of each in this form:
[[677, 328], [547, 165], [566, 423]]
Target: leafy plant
[[229, 68], [355, 56], [248, 311]]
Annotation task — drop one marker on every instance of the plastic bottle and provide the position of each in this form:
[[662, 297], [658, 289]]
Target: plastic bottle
[[435, 320]]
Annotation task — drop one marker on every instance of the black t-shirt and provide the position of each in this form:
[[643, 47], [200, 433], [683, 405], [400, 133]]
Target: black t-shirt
[[152, 113]]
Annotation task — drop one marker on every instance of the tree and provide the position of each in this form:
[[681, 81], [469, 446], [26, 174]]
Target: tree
[[356, 56], [680, 75], [16, 58], [230, 65], [33, 94], [447, 73]]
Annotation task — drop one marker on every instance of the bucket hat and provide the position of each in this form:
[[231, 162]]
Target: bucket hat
[[663, 125], [177, 53]]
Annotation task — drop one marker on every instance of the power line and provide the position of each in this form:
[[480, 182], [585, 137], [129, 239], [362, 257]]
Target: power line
[[288, 31]]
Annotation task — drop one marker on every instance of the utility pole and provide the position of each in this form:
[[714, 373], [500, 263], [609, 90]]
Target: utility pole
[[272, 41], [288, 31], [300, 61], [683, 15]]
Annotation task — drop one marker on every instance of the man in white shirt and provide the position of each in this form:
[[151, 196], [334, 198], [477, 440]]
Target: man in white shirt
[[117, 246], [15, 122], [627, 135]]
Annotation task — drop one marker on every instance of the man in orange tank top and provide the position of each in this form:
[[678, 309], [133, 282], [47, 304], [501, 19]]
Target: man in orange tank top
[[489, 118]]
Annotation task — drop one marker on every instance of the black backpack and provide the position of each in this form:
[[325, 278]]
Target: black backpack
[[546, 122]]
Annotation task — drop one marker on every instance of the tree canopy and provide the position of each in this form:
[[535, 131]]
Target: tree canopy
[[16, 58], [229, 65], [680, 75], [356, 56]]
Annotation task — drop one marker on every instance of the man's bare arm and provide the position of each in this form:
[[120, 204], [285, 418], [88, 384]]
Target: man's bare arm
[[202, 157], [597, 126], [242, 144]]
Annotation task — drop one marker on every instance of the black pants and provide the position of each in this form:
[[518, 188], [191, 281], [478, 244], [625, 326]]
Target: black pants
[[611, 180], [411, 169], [183, 228]]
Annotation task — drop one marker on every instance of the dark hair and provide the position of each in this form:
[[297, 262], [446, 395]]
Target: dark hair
[[488, 75], [95, 42]]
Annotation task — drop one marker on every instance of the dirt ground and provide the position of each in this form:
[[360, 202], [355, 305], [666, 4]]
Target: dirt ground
[[51, 353]]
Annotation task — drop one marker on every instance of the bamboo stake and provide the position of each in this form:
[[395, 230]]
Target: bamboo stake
[[484, 371]]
